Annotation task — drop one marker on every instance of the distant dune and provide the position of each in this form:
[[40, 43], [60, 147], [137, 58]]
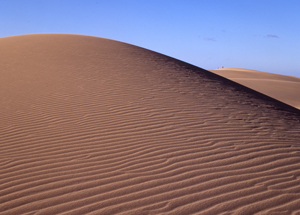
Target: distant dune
[[282, 87], [95, 126]]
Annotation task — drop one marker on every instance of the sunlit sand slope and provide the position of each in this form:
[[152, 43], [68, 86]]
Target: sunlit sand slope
[[95, 126], [282, 87]]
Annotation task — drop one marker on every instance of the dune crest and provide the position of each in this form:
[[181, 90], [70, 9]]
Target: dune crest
[[95, 126], [281, 87]]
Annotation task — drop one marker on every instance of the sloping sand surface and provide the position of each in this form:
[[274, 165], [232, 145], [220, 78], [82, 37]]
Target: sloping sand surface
[[281, 87], [94, 126]]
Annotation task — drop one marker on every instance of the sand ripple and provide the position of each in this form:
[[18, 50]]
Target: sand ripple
[[95, 126]]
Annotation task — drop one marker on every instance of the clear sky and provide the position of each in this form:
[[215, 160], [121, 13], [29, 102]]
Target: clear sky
[[254, 34]]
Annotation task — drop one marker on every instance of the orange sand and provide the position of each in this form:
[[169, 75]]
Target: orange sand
[[95, 126], [282, 87]]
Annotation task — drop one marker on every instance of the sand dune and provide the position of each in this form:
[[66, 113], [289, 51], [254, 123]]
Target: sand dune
[[282, 87], [95, 126]]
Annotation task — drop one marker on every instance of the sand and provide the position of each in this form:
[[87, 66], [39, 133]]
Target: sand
[[95, 126], [281, 87]]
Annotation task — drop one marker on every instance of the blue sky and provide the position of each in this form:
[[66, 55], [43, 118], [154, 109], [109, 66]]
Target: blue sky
[[254, 34]]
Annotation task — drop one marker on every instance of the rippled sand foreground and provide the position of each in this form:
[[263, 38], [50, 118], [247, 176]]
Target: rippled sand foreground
[[95, 126]]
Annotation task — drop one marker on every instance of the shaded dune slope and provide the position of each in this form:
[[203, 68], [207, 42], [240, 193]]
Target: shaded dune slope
[[94, 126], [282, 87]]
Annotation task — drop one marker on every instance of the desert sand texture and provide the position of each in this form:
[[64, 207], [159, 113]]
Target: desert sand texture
[[282, 87], [95, 126]]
